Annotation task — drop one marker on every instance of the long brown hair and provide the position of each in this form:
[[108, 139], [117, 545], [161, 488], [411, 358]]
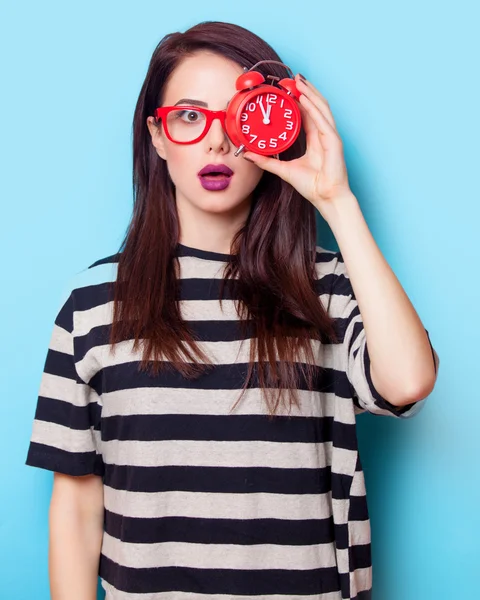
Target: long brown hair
[[272, 266]]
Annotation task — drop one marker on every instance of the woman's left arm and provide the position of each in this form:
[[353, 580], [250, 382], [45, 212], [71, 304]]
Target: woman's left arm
[[401, 367], [401, 362]]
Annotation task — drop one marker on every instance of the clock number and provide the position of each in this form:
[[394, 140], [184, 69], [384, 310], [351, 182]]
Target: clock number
[[282, 102], [288, 114], [262, 143], [245, 128], [289, 125], [244, 117], [253, 137], [251, 107], [283, 136], [272, 98], [273, 143]]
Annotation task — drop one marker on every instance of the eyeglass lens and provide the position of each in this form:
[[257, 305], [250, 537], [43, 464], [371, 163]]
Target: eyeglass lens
[[185, 125]]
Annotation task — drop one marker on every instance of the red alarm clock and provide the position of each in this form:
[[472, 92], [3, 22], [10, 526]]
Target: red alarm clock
[[263, 118]]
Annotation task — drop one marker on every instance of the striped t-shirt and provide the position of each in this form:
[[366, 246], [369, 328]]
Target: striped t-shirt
[[201, 502]]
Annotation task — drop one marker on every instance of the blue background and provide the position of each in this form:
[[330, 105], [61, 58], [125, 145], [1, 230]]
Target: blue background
[[402, 82]]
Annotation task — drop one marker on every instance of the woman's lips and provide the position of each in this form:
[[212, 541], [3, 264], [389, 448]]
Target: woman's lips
[[215, 183]]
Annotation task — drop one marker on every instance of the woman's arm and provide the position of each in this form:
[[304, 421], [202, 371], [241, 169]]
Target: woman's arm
[[76, 532], [402, 366], [401, 360]]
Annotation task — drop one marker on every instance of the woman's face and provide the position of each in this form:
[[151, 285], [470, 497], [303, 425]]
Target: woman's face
[[209, 78]]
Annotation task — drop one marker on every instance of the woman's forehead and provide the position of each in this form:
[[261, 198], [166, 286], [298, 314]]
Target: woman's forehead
[[206, 77]]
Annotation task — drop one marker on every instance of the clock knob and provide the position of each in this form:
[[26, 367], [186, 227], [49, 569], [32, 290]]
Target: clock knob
[[249, 79], [289, 86]]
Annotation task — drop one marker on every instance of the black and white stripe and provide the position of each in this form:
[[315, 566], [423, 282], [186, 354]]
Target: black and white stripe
[[201, 501]]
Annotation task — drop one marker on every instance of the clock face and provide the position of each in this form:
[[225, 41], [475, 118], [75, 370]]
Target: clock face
[[269, 122]]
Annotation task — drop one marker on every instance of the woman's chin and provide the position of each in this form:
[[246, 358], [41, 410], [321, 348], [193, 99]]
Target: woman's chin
[[219, 205]]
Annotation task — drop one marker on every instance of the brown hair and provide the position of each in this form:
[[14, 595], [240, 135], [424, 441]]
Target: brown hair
[[272, 267]]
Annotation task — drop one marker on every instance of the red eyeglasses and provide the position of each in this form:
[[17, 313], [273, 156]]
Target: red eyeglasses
[[188, 124]]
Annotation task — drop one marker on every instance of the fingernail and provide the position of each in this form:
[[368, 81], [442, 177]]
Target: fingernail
[[302, 77], [249, 159]]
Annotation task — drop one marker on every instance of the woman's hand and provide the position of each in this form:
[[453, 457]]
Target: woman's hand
[[320, 175]]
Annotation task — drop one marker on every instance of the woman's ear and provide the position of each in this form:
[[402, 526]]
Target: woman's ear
[[158, 139]]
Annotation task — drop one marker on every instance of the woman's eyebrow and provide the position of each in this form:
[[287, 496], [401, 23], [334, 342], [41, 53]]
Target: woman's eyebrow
[[190, 101], [194, 102]]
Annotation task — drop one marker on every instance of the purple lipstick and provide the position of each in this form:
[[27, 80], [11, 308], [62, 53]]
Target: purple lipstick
[[215, 177]]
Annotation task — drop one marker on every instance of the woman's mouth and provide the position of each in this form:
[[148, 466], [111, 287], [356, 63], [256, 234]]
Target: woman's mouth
[[215, 182], [215, 177]]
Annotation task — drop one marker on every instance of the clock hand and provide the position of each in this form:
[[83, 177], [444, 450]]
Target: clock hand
[[269, 110], [261, 108], [266, 119]]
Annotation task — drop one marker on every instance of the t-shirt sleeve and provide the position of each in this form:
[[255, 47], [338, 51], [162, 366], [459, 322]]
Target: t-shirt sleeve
[[66, 426], [355, 355]]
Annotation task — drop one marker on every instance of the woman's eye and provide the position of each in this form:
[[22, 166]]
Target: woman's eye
[[190, 116]]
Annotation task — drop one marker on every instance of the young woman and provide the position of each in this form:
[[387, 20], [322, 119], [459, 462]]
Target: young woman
[[200, 392]]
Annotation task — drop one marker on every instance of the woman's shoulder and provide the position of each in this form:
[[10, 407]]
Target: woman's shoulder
[[91, 286], [332, 276], [103, 270], [324, 254], [327, 261]]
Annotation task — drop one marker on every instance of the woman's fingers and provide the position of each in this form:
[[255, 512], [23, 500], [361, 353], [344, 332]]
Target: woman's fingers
[[328, 134], [316, 97]]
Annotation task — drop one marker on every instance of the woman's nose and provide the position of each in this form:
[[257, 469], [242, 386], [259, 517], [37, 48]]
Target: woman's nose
[[217, 136]]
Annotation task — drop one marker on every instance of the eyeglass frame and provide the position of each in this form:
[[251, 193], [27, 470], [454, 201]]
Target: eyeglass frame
[[211, 115]]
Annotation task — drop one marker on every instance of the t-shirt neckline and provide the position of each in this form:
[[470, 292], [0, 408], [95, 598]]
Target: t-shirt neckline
[[183, 250]]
